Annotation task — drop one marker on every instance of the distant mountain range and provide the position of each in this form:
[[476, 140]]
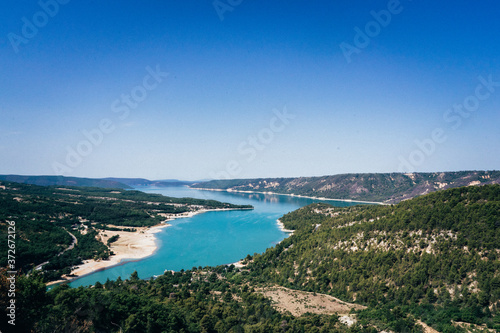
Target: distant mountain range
[[124, 183], [145, 182], [381, 187], [64, 181]]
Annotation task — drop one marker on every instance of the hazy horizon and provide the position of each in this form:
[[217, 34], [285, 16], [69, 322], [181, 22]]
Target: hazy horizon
[[210, 179]]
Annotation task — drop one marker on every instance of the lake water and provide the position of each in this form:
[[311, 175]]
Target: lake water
[[211, 238]]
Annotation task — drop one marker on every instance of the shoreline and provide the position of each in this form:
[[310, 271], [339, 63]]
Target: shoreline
[[290, 195], [282, 227], [130, 246]]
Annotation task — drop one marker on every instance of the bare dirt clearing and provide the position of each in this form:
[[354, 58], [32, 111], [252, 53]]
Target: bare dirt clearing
[[300, 302]]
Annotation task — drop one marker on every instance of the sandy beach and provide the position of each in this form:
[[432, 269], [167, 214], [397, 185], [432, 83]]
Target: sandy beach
[[238, 264], [282, 227], [130, 245]]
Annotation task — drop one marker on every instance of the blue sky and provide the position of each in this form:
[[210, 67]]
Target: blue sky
[[254, 88]]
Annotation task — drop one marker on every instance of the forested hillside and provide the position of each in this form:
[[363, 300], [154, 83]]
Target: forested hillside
[[199, 300], [435, 257], [47, 219], [380, 187]]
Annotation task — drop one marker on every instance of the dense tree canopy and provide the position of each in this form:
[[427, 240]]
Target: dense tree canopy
[[434, 258]]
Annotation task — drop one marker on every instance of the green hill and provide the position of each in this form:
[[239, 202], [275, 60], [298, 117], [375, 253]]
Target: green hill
[[435, 257]]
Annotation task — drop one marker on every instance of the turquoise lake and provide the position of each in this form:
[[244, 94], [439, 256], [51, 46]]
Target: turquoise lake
[[211, 238]]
